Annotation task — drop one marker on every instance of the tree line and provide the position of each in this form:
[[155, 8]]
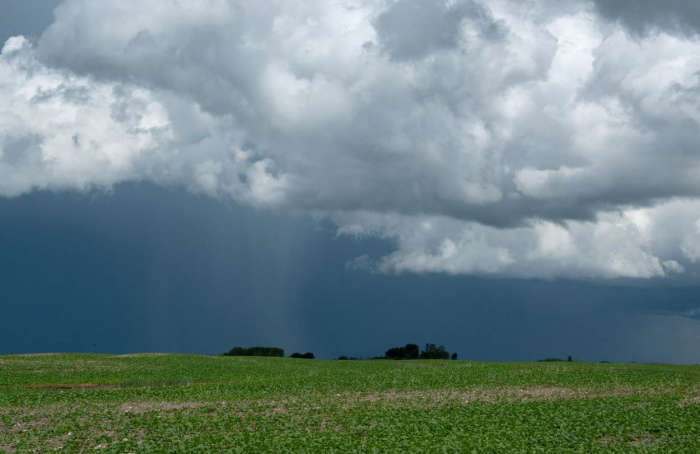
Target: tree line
[[409, 351], [256, 351]]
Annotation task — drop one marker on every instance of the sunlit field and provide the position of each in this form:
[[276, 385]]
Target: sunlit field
[[186, 404]]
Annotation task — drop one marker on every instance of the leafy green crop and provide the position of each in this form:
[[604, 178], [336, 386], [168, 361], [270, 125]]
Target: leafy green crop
[[194, 404]]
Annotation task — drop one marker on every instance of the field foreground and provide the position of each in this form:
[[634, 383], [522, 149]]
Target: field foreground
[[189, 404]]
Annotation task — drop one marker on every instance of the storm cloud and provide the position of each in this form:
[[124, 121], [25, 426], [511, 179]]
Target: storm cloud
[[528, 139], [643, 17]]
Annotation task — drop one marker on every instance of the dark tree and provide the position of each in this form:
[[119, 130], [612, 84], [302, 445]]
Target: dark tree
[[307, 355], [570, 359], [412, 351], [434, 352], [396, 353], [454, 356], [343, 358]]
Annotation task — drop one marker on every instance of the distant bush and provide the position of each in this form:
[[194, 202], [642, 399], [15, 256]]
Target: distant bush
[[396, 353], [410, 351], [454, 356], [551, 360], [434, 352], [256, 351], [307, 355], [570, 359]]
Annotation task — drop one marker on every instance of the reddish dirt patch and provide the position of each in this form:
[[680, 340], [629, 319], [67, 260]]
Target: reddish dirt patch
[[72, 386]]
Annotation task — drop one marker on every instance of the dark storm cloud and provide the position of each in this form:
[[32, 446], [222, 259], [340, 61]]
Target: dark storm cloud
[[148, 268], [642, 17]]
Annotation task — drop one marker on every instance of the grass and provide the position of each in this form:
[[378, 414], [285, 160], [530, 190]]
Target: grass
[[192, 404]]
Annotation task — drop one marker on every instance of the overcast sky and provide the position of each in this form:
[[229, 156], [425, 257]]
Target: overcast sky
[[322, 174]]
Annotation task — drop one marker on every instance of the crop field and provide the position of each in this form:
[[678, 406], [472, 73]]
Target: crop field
[[191, 404]]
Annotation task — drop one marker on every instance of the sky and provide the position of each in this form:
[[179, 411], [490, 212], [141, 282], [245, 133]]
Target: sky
[[514, 180]]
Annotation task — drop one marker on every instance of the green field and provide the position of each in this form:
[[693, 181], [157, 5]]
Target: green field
[[187, 404]]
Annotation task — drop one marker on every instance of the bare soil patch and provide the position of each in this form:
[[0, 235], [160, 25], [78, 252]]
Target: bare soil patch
[[139, 408], [690, 401], [24, 426], [496, 395], [58, 442], [641, 441]]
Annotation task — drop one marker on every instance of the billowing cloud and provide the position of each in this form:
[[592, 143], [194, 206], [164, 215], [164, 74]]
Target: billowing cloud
[[533, 139], [414, 29], [62, 131], [636, 243]]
